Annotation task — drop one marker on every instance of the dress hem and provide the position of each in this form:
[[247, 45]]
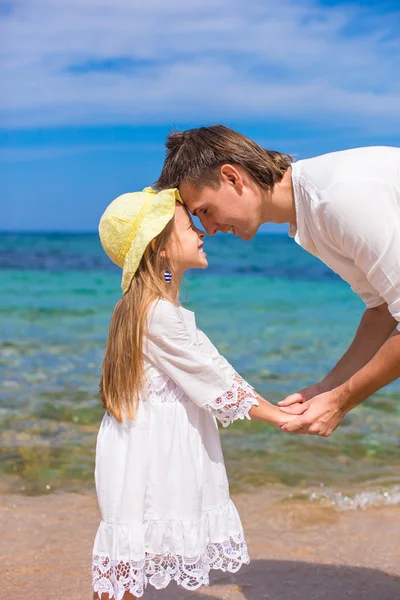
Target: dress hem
[[116, 577]]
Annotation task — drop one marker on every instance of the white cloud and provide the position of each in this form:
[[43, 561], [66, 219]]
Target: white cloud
[[204, 60]]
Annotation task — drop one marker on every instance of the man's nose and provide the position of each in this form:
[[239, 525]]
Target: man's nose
[[200, 233], [210, 227]]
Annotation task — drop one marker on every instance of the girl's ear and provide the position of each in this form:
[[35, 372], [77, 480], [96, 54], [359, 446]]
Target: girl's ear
[[153, 245], [163, 253]]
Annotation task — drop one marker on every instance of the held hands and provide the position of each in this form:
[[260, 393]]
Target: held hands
[[280, 419], [318, 412]]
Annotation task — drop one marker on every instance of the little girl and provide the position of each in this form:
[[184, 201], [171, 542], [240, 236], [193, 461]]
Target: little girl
[[160, 475]]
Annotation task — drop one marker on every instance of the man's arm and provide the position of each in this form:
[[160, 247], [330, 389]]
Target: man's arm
[[325, 412], [362, 220], [376, 326], [381, 370]]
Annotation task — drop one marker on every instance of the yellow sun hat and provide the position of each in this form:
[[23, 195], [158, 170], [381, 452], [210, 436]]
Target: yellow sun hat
[[131, 222]]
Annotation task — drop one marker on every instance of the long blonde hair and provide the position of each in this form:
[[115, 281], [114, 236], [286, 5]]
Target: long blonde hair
[[123, 372]]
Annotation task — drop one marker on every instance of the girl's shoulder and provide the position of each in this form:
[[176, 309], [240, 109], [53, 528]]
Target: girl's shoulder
[[165, 314], [161, 309]]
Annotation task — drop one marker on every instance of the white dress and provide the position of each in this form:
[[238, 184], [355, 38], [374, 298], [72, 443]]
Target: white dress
[[161, 481]]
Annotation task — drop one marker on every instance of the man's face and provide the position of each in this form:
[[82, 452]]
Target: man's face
[[230, 208]]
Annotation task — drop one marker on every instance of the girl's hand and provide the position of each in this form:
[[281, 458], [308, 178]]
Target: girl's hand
[[280, 419], [269, 413], [295, 403]]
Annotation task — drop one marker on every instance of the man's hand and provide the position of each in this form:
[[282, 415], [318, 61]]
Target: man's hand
[[320, 415], [282, 419], [295, 403]]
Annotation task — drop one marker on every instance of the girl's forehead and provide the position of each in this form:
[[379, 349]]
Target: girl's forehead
[[182, 213]]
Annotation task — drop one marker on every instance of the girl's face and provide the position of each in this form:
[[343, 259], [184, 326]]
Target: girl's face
[[185, 249]]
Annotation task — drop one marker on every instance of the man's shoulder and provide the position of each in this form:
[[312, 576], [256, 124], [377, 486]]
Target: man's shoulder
[[360, 154], [345, 166]]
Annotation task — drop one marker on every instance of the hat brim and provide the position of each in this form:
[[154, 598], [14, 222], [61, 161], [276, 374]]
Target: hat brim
[[160, 213]]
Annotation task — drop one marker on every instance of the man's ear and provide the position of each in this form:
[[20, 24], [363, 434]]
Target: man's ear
[[232, 175]]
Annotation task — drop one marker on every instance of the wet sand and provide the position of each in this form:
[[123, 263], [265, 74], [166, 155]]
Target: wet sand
[[299, 551]]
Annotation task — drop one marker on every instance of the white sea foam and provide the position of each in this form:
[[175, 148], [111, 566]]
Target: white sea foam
[[359, 500]]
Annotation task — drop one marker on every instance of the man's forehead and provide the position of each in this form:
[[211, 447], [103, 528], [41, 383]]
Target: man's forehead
[[190, 195]]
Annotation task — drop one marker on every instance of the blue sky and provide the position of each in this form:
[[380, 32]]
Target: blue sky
[[91, 88]]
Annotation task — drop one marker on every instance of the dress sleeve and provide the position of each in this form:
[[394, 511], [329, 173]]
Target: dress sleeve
[[209, 381], [235, 403], [366, 226], [241, 396]]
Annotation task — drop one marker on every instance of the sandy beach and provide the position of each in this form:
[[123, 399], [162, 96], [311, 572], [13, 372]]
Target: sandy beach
[[299, 551]]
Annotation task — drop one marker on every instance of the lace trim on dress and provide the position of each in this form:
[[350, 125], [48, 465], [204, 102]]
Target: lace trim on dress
[[162, 388], [116, 577], [235, 403]]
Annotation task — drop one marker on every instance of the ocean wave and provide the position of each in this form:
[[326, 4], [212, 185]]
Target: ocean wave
[[357, 501]]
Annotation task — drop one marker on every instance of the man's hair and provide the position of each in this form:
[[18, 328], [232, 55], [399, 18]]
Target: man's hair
[[196, 155]]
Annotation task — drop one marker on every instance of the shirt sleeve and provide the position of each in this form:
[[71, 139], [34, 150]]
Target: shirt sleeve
[[365, 225], [208, 381]]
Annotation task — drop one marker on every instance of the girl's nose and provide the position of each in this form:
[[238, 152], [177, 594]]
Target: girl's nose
[[201, 234]]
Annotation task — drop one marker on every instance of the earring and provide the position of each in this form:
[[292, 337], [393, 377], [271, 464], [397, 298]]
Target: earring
[[167, 276]]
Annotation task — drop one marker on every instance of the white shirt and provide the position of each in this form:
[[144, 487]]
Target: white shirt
[[348, 215]]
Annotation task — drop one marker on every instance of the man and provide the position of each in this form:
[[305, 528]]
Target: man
[[343, 207]]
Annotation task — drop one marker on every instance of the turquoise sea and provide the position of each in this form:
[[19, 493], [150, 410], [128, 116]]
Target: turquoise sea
[[279, 315]]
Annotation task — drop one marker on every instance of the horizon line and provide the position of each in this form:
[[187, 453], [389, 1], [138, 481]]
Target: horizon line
[[71, 232]]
